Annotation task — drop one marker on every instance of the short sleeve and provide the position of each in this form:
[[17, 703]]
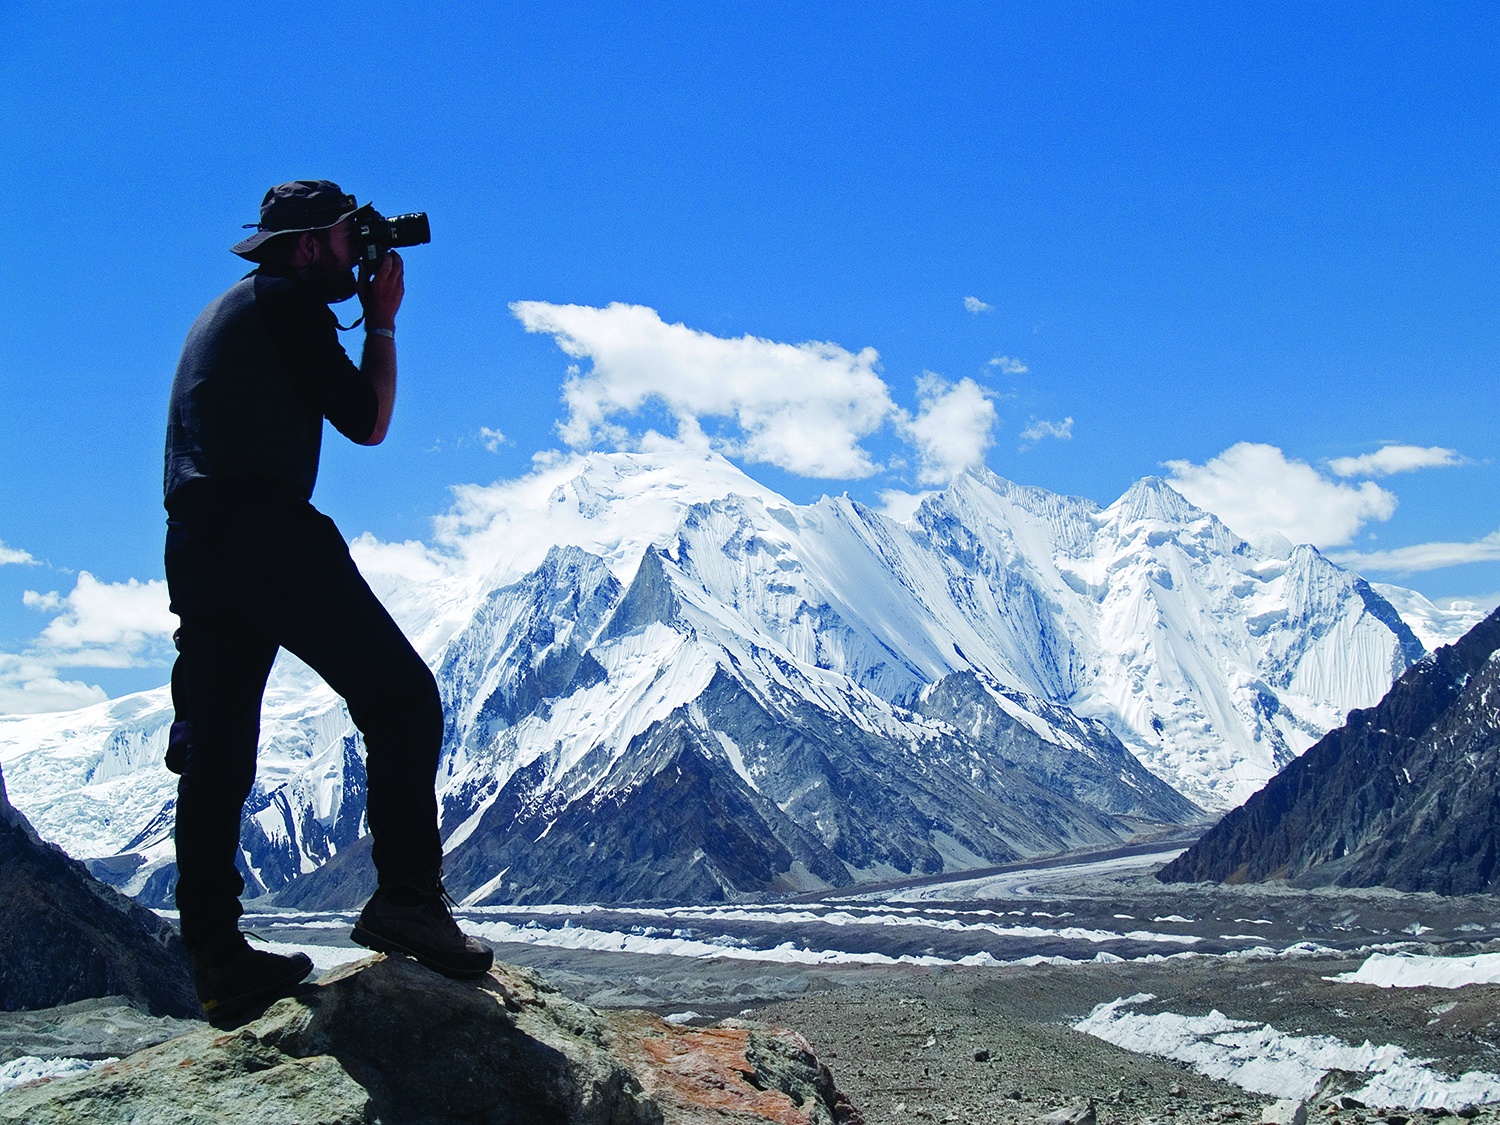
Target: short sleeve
[[305, 332]]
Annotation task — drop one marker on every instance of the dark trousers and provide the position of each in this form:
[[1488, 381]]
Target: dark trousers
[[249, 574]]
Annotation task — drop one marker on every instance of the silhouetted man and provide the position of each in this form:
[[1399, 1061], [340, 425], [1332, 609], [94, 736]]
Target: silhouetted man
[[253, 567]]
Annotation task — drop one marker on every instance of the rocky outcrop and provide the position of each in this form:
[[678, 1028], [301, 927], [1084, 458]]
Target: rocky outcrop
[[65, 936], [1405, 795], [385, 1040]]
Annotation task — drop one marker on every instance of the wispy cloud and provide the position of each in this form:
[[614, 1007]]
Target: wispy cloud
[[1395, 459], [953, 428], [1422, 556], [28, 687], [803, 407], [901, 506], [1257, 491], [1040, 428], [1009, 365], [13, 555], [975, 305], [492, 439]]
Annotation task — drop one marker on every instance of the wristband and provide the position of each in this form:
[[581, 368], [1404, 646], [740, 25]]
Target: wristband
[[388, 333]]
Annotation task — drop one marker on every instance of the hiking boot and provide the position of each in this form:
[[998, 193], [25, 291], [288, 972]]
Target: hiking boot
[[415, 919], [231, 978]]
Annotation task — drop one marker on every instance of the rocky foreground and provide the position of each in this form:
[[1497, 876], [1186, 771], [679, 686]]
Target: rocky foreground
[[385, 1040]]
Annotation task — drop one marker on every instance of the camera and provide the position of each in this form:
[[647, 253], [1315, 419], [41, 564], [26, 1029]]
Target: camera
[[374, 234]]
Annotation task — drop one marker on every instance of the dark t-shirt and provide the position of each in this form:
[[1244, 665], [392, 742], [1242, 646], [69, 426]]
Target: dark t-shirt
[[261, 369]]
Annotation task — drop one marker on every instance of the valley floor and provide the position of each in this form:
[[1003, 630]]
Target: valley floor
[[958, 1001]]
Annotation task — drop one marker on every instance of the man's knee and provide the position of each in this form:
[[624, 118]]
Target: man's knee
[[408, 711]]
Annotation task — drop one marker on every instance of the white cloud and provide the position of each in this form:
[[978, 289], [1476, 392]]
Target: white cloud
[[492, 439], [1039, 429], [48, 603], [901, 506], [953, 429], [1009, 364], [1422, 556], [975, 305], [1257, 492], [1395, 459], [15, 555], [804, 407], [28, 688], [120, 617], [96, 625], [412, 559]]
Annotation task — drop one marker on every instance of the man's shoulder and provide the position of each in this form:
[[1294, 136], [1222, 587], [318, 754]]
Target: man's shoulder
[[281, 296]]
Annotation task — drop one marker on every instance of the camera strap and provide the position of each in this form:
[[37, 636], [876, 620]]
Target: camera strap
[[350, 327]]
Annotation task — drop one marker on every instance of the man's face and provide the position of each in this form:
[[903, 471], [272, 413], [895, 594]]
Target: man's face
[[333, 262]]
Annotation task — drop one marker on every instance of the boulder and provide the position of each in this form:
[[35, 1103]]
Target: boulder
[[386, 1040]]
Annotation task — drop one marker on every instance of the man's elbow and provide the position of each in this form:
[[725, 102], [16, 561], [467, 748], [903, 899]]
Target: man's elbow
[[377, 435]]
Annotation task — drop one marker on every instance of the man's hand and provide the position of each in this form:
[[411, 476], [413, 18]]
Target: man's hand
[[380, 292]]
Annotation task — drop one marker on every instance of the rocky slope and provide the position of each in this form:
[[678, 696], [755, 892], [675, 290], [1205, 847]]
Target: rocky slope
[[387, 1040], [1406, 794], [64, 936], [664, 680]]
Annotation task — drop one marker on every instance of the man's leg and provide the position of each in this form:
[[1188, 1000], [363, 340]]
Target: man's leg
[[217, 686], [337, 625], [220, 678]]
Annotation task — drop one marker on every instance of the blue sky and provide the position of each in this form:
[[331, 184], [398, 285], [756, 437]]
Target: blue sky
[[1252, 248]]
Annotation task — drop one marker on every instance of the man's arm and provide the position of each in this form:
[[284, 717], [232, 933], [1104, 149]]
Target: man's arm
[[381, 295]]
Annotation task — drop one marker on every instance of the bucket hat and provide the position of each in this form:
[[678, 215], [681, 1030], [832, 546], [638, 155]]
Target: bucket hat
[[294, 207]]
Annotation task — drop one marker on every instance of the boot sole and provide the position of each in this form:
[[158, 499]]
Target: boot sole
[[381, 944]]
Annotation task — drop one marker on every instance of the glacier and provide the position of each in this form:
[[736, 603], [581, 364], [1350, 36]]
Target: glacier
[[663, 679]]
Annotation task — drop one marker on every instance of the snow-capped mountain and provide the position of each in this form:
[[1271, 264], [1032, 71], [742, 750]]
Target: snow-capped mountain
[[664, 680]]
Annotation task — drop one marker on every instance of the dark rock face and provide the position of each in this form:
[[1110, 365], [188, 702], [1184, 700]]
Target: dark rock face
[[65, 936], [1405, 795], [387, 1040], [1097, 770]]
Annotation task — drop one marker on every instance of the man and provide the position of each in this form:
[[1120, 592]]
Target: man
[[253, 567]]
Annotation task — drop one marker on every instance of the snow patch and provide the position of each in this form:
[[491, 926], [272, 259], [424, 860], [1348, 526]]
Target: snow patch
[[1267, 1061], [30, 1068], [1406, 970]]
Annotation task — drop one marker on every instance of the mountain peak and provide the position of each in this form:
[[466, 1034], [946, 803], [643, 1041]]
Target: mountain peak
[[1152, 498]]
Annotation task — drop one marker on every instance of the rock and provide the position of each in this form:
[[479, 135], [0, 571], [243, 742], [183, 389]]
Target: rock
[[385, 1040], [65, 936], [1287, 1111], [981, 1056], [1078, 1113]]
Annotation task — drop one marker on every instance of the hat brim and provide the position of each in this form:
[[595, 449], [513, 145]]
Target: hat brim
[[246, 248]]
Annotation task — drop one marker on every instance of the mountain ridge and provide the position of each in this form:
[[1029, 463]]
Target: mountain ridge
[[600, 599]]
